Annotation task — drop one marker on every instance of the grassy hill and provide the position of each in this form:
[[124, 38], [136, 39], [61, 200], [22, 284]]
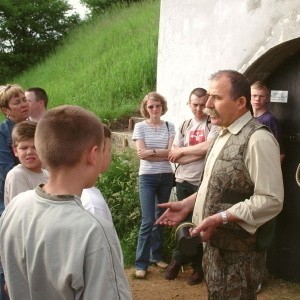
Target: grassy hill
[[106, 65]]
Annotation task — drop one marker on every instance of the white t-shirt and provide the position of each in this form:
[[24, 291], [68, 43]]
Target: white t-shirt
[[19, 179], [93, 201], [154, 138], [196, 132]]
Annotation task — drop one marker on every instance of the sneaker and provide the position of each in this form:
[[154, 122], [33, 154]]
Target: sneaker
[[195, 278], [172, 270], [161, 264], [140, 274]]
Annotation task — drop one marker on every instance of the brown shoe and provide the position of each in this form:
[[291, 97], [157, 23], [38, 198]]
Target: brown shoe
[[172, 270], [195, 278]]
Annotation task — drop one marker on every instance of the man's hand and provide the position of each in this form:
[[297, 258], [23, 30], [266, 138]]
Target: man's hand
[[207, 227], [175, 154], [174, 214], [176, 211]]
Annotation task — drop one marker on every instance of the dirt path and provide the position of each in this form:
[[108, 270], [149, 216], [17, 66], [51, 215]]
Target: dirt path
[[155, 287]]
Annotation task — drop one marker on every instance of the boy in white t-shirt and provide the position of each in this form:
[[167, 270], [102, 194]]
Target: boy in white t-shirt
[[91, 198], [29, 173]]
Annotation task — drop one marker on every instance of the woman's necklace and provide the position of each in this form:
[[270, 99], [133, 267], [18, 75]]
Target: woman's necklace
[[155, 125]]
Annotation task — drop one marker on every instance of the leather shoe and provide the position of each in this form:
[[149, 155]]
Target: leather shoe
[[195, 278], [172, 270]]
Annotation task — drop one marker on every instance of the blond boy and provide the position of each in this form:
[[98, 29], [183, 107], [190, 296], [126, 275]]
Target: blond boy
[[51, 247], [29, 173]]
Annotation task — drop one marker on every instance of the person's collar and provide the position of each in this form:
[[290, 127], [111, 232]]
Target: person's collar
[[259, 113], [238, 124]]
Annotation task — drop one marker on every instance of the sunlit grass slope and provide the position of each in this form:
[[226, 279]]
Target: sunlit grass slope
[[106, 65]]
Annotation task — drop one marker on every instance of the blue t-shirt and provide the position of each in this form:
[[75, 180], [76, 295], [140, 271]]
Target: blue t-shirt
[[269, 120]]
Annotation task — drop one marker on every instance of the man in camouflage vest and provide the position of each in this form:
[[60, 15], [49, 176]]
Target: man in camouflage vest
[[240, 194]]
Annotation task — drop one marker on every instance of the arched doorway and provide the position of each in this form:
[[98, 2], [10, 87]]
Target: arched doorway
[[280, 68]]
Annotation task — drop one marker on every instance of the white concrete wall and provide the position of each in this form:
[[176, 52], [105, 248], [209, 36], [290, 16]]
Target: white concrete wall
[[200, 37]]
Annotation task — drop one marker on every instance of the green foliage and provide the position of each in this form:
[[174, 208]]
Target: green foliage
[[101, 6], [30, 30], [107, 65], [119, 186]]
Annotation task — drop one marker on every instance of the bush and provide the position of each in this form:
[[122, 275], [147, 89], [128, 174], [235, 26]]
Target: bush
[[120, 187]]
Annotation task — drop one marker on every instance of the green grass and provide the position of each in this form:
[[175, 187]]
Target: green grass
[[107, 65]]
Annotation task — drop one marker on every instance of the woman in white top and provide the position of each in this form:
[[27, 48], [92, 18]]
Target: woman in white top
[[154, 139]]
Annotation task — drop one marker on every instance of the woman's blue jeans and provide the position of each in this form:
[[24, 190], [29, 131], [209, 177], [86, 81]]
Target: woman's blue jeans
[[154, 189]]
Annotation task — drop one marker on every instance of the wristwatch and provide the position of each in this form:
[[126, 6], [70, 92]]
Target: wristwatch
[[224, 217]]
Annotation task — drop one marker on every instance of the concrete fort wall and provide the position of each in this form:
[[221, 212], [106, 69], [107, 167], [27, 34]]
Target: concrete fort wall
[[200, 37]]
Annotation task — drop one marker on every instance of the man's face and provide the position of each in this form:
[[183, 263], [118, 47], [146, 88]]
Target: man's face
[[197, 105], [259, 98], [34, 106], [26, 152], [224, 107]]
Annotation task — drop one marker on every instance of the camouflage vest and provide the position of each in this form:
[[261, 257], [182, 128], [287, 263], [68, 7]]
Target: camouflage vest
[[230, 183]]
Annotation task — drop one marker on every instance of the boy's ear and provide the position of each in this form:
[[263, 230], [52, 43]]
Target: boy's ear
[[92, 155], [15, 151]]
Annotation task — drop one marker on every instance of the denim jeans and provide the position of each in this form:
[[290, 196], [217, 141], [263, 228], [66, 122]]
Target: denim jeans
[[154, 189], [183, 190]]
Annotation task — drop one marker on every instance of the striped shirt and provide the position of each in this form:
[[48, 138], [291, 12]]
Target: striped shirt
[[154, 138]]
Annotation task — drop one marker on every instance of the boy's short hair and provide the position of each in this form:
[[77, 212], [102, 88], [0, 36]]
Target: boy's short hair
[[22, 131], [260, 85], [7, 92], [64, 133]]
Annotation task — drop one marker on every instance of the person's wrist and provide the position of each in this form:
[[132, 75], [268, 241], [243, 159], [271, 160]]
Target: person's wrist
[[224, 217]]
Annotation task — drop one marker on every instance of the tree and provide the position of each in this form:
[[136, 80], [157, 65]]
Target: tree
[[100, 6], [29, 31]]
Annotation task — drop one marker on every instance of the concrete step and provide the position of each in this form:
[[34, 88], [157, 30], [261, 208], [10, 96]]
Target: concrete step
[[122, 140], [133, 121]]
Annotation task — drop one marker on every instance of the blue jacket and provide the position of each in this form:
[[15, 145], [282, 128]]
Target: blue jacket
[[7, 157]]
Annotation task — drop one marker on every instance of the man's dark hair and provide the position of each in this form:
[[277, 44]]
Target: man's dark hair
[[198, 92], [40, 94], [240, 85]]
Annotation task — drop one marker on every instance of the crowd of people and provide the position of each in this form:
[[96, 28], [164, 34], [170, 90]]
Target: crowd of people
[[57, 237]]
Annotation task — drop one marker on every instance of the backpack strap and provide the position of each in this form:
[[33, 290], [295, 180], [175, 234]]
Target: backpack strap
[[167, 124], [184, 126]]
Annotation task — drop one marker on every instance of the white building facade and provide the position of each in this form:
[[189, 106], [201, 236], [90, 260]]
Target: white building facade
[[260, 38]]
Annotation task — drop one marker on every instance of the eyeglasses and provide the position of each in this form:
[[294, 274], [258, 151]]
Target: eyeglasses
[[17, 102], [154, 106]]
